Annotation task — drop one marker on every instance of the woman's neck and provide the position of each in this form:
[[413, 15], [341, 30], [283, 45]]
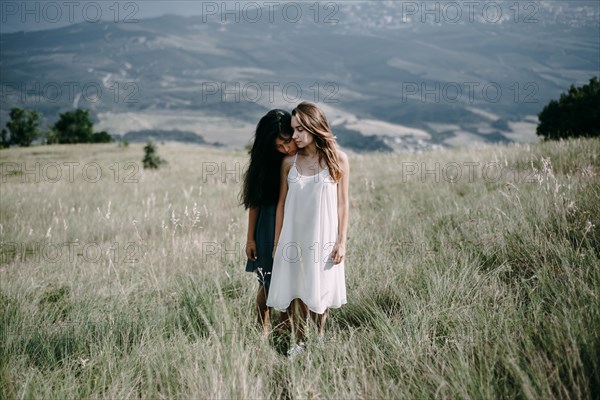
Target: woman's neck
[[310, 150]]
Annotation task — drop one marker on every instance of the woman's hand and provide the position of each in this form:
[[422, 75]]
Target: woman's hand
[[339, 253], [251, 250]]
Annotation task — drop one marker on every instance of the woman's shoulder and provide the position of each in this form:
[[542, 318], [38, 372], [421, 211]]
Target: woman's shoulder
[[343, 157], [341, 154], [287, 162]]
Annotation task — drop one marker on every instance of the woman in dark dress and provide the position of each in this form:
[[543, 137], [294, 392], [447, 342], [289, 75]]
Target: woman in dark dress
[[272, 141]]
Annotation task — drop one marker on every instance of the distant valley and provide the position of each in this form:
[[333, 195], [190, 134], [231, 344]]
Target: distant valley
[[387, 79]]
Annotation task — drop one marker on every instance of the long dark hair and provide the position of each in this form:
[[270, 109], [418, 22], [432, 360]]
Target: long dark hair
[[261, 179]]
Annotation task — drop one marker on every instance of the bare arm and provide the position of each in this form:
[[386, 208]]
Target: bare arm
[[283, 189], [251, 240], [339, 250]]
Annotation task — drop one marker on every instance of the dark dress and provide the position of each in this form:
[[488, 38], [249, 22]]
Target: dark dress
[[264, 237]]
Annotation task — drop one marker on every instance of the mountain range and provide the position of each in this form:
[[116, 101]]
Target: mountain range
[[390, 75]]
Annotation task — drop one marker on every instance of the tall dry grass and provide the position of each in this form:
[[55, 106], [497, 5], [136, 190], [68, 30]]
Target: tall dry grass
[[473, 286]]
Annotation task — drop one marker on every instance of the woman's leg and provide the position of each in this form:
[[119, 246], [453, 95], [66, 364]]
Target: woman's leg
[[285, 322], [320, 319], [262, 309], [299, 314]]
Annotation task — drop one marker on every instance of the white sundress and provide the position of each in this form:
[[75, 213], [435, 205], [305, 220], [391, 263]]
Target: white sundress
[[303, 267]]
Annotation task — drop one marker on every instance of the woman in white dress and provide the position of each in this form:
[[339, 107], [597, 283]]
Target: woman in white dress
[[311, 224]]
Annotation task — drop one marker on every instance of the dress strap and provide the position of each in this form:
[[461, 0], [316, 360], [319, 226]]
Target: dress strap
[[295, 157]]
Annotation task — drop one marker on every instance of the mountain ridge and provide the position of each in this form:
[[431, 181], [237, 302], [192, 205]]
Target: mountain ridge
[[394, 82]]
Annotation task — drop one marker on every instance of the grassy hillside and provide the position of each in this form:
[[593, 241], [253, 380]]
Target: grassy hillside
[[133, 285]]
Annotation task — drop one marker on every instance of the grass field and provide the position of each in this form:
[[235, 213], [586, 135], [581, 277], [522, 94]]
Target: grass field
[[471, 273]]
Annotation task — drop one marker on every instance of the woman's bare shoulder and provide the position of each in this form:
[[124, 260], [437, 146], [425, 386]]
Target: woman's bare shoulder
[[287, 162], [343, 157]]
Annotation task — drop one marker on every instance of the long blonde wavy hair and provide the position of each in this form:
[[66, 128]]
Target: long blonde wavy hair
[[313, 120]]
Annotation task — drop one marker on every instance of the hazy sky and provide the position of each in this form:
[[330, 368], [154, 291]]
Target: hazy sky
[[48, 14], [29, 15]]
